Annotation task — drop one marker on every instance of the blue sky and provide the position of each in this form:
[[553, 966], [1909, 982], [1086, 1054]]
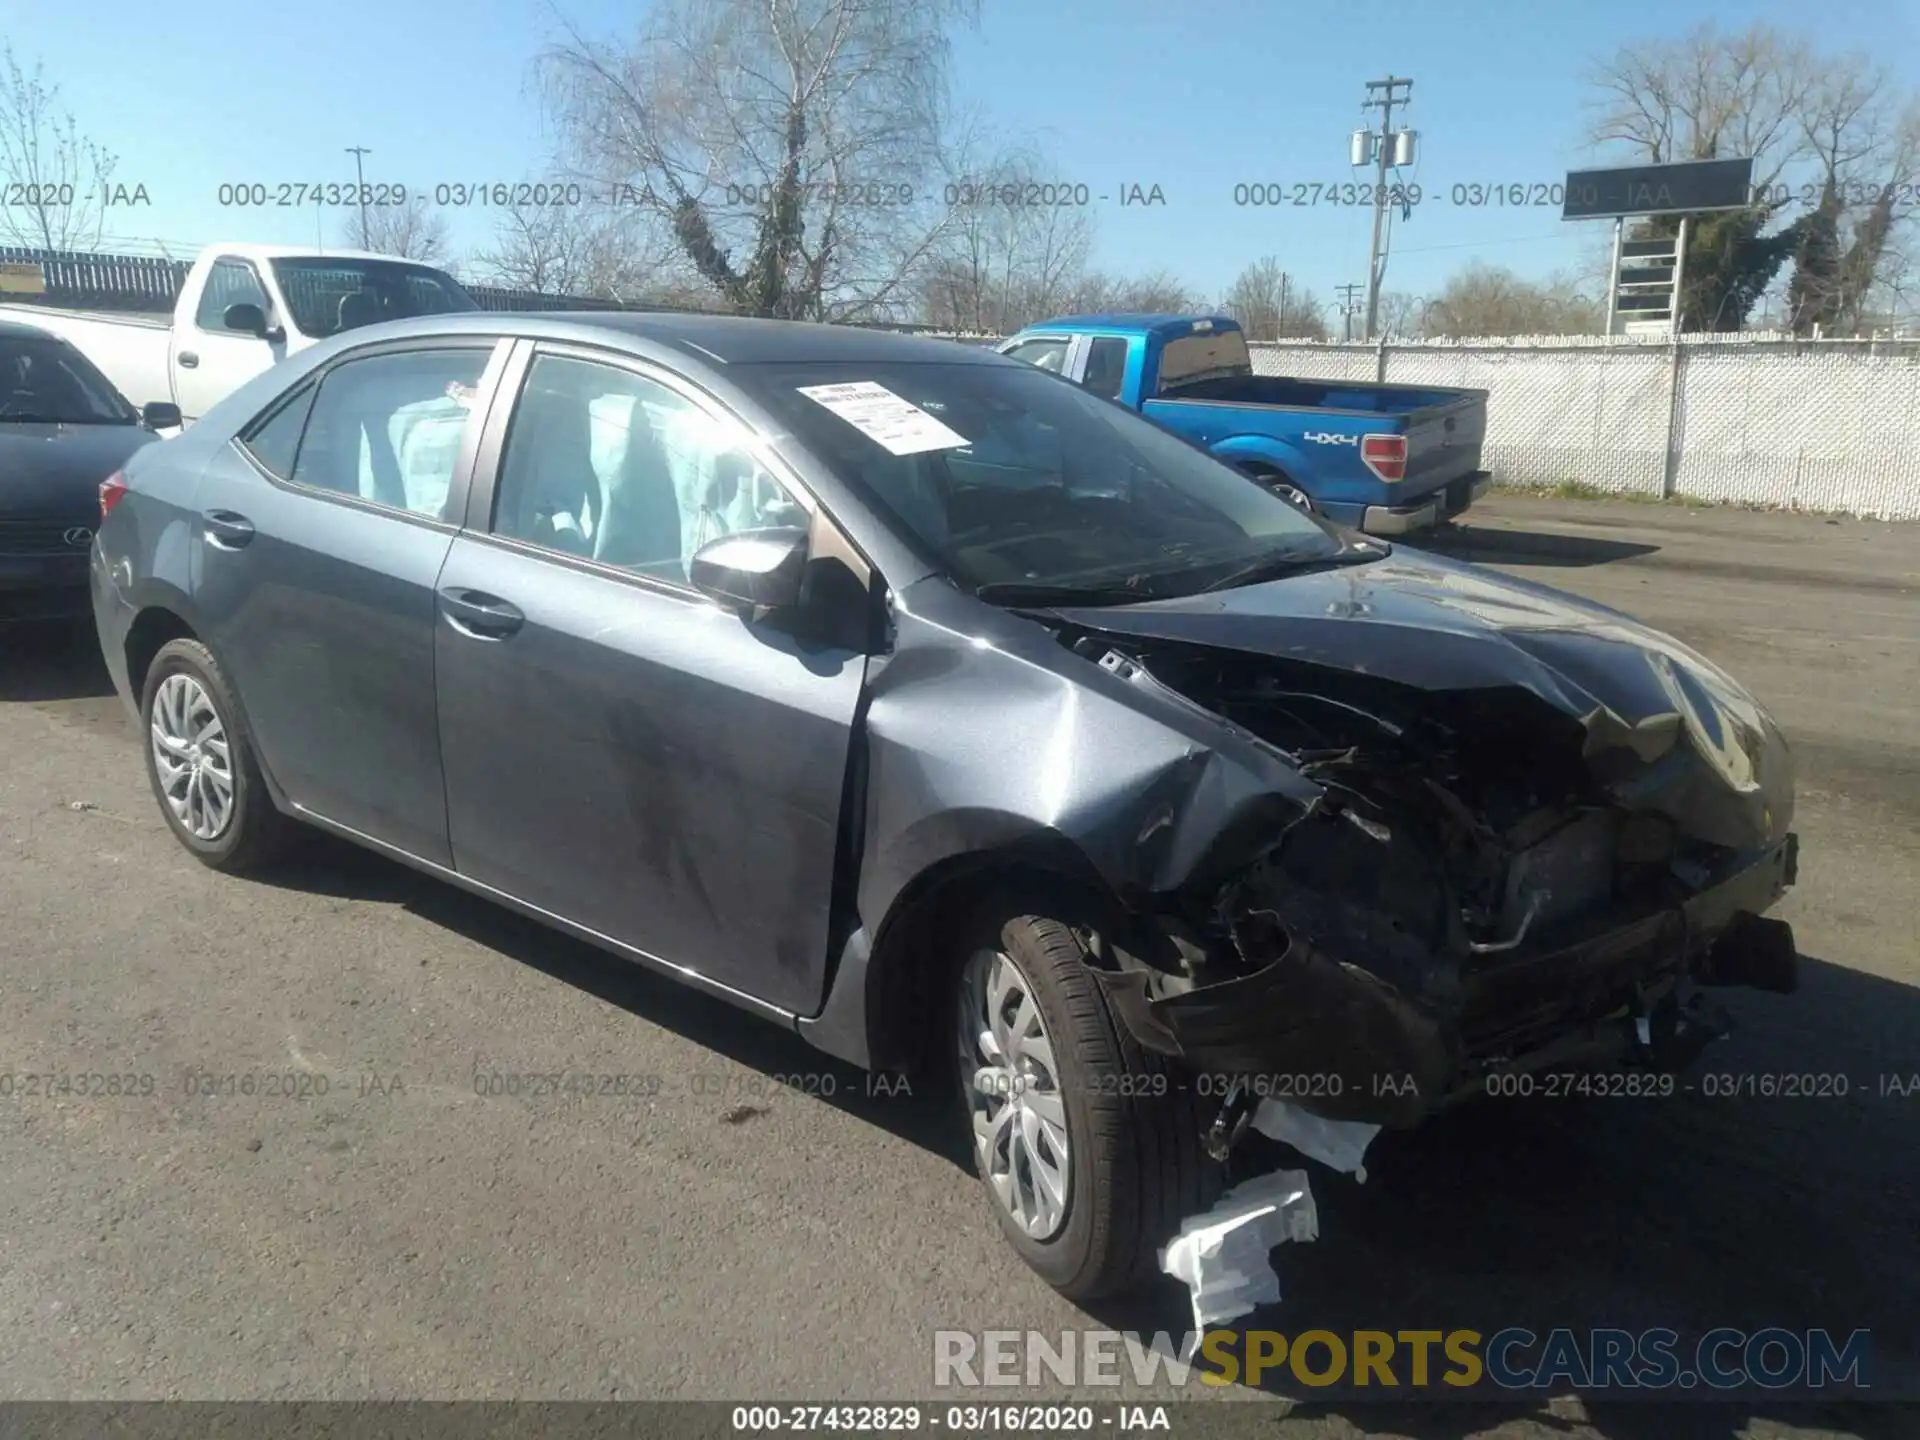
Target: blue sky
[[1193, 97]]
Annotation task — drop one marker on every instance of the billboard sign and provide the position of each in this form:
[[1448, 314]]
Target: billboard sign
[[1688, 187]]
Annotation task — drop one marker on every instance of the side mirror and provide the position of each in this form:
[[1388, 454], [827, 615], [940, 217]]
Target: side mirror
[[246, 317], [754, 570], [160, 415]]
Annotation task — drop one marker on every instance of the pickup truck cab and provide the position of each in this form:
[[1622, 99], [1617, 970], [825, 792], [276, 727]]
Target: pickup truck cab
[[242, 308], [1386, 459]]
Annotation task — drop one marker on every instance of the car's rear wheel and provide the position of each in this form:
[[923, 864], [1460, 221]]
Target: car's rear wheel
[[201, 763], [1089, 1149]]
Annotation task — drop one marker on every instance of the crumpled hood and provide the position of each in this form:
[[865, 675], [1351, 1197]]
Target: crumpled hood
[[1440, 625]]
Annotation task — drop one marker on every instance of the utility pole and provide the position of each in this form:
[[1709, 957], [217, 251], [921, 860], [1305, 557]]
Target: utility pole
[[1349, 307], [360, 177], [1382, 95]]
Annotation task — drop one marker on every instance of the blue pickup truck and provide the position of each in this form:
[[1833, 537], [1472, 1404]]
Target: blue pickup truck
[[1387, 459]]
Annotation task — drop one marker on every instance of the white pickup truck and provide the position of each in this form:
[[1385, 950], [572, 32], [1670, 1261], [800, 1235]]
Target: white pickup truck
[[242, 308]]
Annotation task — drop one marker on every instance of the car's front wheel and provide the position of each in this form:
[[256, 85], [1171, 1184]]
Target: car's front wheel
[[1089, 1148], [201, 763]]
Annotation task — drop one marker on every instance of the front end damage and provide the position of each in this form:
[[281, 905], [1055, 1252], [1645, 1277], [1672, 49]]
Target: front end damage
[[1506, 876]]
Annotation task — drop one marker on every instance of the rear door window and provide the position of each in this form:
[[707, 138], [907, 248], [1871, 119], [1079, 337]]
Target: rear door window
[[388, 427]]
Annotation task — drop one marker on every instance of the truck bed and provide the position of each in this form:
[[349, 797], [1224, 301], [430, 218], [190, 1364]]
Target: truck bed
[[1297, 394], [42, 314], [1444, 427]]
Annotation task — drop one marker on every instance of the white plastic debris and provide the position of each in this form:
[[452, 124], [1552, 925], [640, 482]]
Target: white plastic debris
[[1340, 1144], [1221, 1255]]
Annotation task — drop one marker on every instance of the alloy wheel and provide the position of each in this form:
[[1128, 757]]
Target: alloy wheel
[[1293, 495], [1014, 1094], [192, 757]]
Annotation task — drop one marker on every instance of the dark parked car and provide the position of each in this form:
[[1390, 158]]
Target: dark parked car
[[63, 429], [909, 697]]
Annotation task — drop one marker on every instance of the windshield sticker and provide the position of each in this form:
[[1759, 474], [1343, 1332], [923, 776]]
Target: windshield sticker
[[900, 426]]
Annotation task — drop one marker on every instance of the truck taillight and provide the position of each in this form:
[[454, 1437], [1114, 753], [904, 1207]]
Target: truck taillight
[[113, 490], [1385, 455]]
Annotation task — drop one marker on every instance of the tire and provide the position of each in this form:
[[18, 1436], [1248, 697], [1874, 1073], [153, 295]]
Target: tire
[[1135, 1163], [185, 678], [1281, 484]]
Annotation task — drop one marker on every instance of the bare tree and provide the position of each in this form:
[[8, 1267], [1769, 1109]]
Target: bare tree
[[1158, 292], [571, 250], [59, 174], [1271, 305], [1006, 259], [1708, 95], [791, 149], [1401, 315], [1485, 300], [415, 230], [1832, 140], [1867, 153]]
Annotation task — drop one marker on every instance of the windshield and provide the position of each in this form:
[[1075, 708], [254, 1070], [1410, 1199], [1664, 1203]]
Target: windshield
[[1023, 488], [47, 381], [328, 296]]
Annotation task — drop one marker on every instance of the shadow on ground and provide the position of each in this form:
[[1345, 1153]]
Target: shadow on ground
[[324, 865], [51, 660], [1485, 545]]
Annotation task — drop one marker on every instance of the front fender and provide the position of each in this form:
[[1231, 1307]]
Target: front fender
[[990, 746]]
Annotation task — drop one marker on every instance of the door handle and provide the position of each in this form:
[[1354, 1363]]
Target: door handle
[[227, 530], [187, 359], [483, 616]]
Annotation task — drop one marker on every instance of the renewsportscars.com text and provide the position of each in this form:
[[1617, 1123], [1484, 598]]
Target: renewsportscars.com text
[[1439, 1361]]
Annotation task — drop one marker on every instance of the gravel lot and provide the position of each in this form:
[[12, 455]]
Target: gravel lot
[[714, 1235]]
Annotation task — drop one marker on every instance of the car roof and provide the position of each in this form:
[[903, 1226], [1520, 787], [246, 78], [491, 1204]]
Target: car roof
[[1154, 324], [20, 330], [716, 339], [253, 250]]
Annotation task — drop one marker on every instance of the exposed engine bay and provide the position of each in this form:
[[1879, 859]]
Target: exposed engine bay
[[1488, 880]]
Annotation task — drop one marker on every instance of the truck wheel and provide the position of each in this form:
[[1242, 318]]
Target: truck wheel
[[1282, 485], [201, 763], [1090, 1149]]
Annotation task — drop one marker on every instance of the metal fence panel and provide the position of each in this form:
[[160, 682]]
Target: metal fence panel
[[1819, 429], [1812, 425]]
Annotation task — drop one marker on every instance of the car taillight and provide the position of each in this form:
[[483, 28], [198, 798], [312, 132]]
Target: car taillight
[[1385, 455], [113, 490]]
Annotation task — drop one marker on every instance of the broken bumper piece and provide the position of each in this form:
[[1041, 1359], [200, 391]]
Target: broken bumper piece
[[1331, 1037], [1221, 1255]]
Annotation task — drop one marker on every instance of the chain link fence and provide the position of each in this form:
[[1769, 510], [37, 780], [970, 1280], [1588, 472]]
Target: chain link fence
[[1816, 425]]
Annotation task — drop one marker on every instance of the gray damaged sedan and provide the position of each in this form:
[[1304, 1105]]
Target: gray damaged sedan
[[915, 699]]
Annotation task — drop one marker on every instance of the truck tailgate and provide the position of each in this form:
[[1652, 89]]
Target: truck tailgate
[[1443, 441]]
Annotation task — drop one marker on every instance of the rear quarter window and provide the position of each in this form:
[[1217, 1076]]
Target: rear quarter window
[[274, 439]]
